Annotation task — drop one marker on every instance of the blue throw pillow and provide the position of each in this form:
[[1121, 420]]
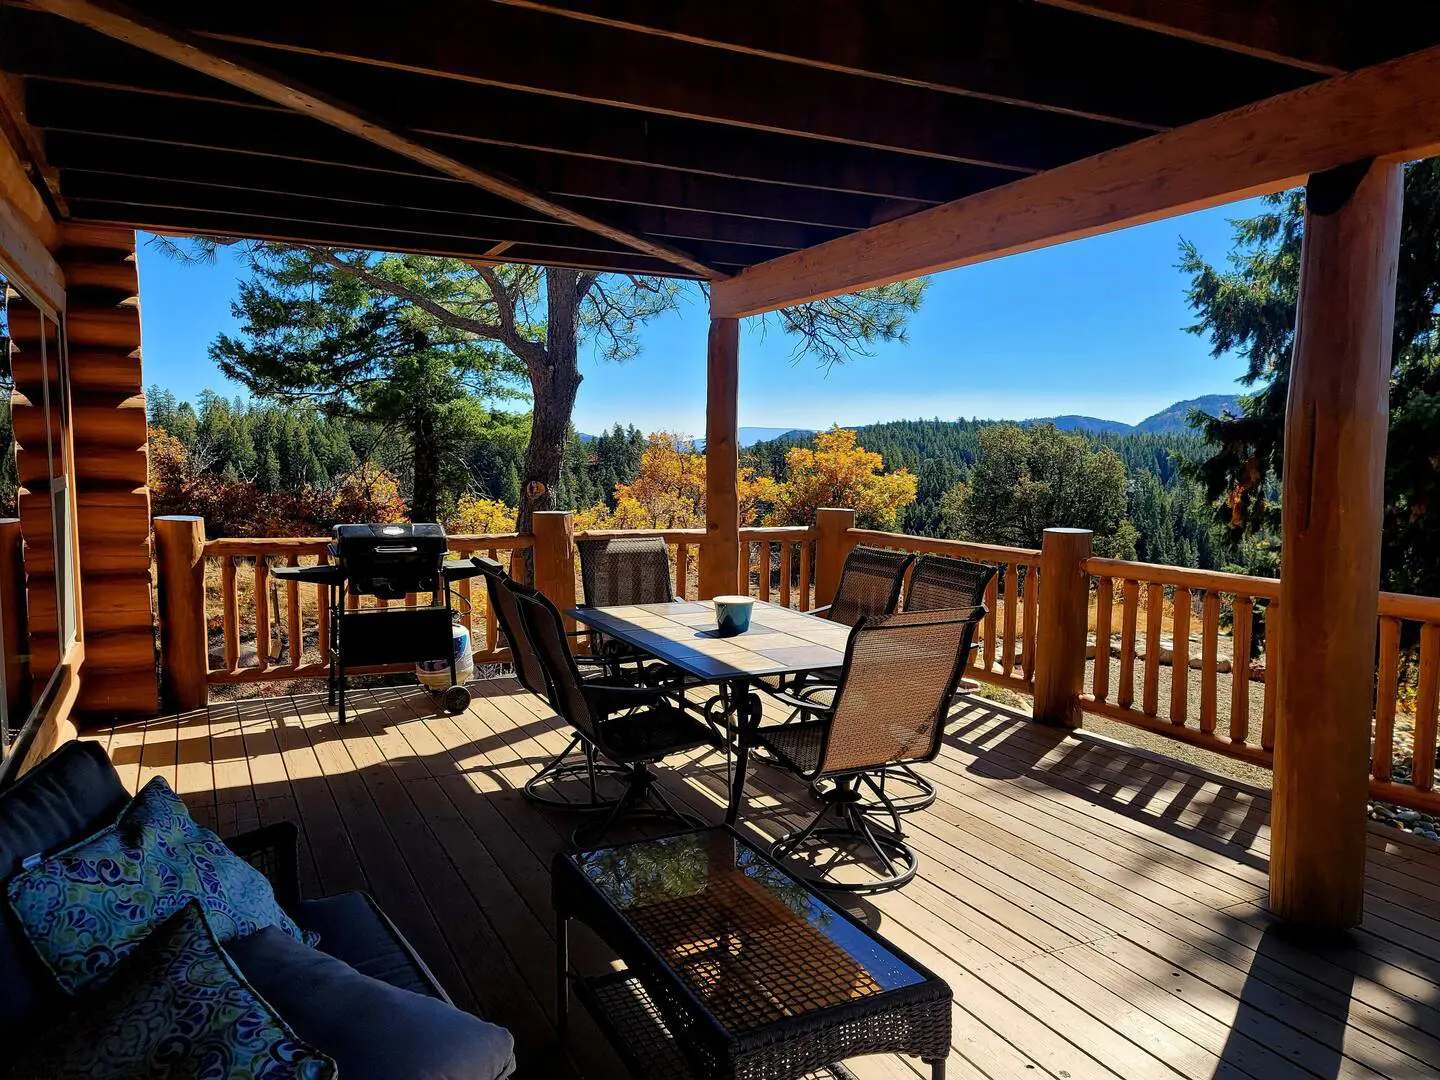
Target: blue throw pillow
[[89, 906], [176, 1009]]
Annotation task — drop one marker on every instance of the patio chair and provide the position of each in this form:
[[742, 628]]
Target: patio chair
[[626, 570], [940, 583], [887, 709], [870, 583], [631, 726], [576, 761]]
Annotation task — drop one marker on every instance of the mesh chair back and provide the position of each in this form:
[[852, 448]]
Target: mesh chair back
[[625, 570], [900, 674], [546, 630], [940, 583], [507, 619], [869, 584]]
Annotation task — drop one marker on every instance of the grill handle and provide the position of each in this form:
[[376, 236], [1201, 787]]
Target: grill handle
[[395, 549]]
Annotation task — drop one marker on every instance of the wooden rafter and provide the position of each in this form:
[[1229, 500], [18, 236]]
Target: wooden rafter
[[1391, 110], [122, 24], [501, 47], [1302, 33], [969, 49]]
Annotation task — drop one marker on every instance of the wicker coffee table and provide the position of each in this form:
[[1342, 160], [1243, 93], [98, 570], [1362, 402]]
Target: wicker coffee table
[[734, 968]]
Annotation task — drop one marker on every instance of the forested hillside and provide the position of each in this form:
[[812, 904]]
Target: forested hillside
[[1166, 519]]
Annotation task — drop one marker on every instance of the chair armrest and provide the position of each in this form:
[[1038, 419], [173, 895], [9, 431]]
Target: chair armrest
[[611, 697], [274, 850], [801, 704], [818, 610]]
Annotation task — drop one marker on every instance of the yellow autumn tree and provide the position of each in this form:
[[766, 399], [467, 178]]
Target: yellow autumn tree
[[669, 491], [474, 514], [839, 472]]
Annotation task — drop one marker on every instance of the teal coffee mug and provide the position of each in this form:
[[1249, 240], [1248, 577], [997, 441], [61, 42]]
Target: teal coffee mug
[[732, 614]]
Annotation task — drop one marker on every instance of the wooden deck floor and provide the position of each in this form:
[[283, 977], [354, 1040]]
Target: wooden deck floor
[[1097, 912]]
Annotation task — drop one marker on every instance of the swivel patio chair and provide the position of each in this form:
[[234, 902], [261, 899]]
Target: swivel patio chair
[[937, 583], [630, 726], [577, 761], [887, 709], [870, 583], [625, 570]]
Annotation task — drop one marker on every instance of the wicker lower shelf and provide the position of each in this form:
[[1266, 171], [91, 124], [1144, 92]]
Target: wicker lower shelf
[[624, 1011]]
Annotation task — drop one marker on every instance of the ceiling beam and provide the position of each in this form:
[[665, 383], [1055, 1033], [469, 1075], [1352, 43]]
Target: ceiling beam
[[971, 49], [1391, 110], [207, 223], [534, 53], [285, 139], [119, 22], [152, 195], [92, 163], [1311, 35]]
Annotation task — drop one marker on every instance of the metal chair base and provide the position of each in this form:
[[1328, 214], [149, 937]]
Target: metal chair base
[[915, 792], [561, 769], [895, 862], [642, 798]]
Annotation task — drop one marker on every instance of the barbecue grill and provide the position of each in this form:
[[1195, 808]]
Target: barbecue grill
[[388, 562]]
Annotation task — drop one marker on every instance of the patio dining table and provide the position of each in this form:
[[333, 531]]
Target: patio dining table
[[779, 642]]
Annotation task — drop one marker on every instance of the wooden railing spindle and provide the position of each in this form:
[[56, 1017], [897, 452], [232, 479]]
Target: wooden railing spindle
[[1031, 598], [1104, 600], [1427, 696], [1007, 641], [992, 594], [1154, 622], [765, 570], [293, 632], [1272, 635], [491, 630], [322, 603], [787, 552], [1240, 628], [805, 547], [1383, 754], [1129, 610], [262, 612], [682, 569], [1209, 651], [1180, 658], [230, 612]]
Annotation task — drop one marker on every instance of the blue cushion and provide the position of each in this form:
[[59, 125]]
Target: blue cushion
[[176, 1009], [70, 794], [89, 906], [373, 1030]]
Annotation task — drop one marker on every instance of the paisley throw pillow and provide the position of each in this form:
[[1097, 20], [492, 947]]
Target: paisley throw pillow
[[87, 907], [176, 1009]]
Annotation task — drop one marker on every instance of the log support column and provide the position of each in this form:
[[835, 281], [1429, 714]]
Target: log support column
[[1335, 428], [720, 550], [1062, 630]]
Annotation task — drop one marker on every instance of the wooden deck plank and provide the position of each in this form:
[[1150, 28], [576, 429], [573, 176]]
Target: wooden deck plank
[[1098, 913]]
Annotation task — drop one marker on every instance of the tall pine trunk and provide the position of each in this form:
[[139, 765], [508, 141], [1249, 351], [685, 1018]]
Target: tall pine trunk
[[425, 460], [554, 384]]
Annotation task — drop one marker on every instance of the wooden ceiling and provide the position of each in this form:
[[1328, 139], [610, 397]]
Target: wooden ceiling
[[683, 137]]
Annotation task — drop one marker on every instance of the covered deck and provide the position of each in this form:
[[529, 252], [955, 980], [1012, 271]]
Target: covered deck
[[1098, 911]]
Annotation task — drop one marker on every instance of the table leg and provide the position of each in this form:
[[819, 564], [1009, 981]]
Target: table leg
[[562, 974], [748, 709]]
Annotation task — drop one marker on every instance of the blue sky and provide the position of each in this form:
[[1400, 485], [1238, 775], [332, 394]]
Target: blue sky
[[1092, 327]]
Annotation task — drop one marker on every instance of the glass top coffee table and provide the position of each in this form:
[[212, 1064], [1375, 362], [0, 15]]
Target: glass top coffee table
[[743, 970]]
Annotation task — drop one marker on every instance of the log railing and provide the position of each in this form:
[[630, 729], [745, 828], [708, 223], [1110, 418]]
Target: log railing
[[1178, 652], [265, 629], [1160, 658]]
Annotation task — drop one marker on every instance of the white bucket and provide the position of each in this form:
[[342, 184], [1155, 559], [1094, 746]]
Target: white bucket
[[434, 675]]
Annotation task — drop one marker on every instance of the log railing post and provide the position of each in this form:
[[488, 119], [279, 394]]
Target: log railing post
[[554, 532], [1063, 622], [832, 544], [184, 645], [720, 552], [14, 633], [1336, 422]]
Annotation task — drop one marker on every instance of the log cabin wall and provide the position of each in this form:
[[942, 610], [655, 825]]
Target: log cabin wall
[[111, 459]]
